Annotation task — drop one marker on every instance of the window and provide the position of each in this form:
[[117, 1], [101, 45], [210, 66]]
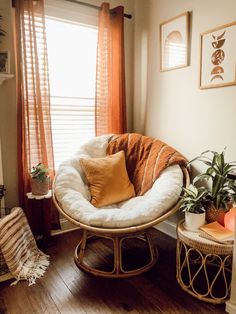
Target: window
[[72, 70]]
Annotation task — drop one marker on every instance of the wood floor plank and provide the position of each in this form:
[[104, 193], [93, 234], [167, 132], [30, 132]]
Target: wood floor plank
[[155, 295], [121, 297], [66, 302], [3, 308], [24, 299], [107, 295], [67, 290], [74, 279]]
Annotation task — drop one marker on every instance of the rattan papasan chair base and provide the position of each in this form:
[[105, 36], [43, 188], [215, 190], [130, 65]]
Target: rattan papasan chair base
[[118, 270], [72, 201]]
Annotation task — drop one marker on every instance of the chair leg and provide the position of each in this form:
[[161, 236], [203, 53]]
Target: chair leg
[[153, 251], [117, 255], [82, 246]]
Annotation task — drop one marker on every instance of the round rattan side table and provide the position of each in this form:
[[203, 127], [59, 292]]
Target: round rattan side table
[[203, 266]]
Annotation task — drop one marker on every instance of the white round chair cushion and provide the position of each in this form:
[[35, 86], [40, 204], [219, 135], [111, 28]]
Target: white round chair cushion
[[74, 196]]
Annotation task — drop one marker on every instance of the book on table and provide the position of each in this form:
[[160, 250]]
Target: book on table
[[218, 232]]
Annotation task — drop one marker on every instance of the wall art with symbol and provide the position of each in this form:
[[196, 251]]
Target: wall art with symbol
[[218, 57]]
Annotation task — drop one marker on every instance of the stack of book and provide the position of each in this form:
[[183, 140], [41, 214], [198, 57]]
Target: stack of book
[[216, 232]]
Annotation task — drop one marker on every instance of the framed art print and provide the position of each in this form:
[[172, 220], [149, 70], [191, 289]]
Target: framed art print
[[174, 37], [218, 57]]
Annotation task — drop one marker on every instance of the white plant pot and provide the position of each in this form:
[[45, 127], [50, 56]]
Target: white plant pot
[[194, 221]]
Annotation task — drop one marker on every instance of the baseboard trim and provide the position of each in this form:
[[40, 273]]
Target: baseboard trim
[[167, 227], [66, 226], [230, 307]]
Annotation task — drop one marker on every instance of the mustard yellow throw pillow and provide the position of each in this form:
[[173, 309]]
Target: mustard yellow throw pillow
[[108, 179]]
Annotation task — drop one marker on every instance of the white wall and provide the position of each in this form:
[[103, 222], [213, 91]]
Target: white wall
[[179, 113], [169, 105], [8, 116], [2, 203], [141, 41], [8, 107]]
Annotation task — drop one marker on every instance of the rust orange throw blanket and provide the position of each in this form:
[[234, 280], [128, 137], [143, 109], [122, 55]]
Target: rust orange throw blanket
[[146, 158]]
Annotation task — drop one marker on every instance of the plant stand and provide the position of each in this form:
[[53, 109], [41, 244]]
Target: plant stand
[[203, 266], [39, 213]]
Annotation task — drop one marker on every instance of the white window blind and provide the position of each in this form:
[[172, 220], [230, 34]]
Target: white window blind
[[72, 70]]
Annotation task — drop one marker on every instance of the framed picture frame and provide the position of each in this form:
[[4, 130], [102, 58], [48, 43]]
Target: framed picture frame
[[4, 62], [218, 57], [174, 42]]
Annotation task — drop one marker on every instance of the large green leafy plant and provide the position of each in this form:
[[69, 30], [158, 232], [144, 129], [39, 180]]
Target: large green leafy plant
[[222, 190]]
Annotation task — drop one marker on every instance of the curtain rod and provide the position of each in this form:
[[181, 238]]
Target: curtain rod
[[128, 16]]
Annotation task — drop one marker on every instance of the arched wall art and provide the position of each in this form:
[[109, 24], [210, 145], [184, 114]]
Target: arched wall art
[[174, 38], [218, 57]]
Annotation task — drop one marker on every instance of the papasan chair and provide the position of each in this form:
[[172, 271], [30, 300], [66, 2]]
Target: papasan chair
[[157, 173]]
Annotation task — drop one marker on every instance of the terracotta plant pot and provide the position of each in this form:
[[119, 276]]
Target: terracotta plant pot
[[40, 188], [194, 221], [214, 214]]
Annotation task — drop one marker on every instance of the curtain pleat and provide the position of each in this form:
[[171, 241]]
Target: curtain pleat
[[33, 94], [110, 113]]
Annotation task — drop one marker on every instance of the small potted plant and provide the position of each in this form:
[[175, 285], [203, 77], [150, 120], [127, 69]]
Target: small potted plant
[[39, 180], [222, 191], [193, 204]]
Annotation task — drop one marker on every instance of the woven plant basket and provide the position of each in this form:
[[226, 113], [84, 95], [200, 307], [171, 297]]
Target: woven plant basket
[[214, 214], [40, 188]]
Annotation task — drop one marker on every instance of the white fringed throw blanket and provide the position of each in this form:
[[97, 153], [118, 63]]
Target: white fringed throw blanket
[[23, 258]]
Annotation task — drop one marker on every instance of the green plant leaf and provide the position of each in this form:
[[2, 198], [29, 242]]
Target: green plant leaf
[[39, 172]]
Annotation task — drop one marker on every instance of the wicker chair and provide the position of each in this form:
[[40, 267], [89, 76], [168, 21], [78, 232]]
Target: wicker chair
[[97, 230]]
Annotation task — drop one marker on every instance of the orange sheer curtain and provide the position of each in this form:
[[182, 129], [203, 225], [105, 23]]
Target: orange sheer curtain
[[110, 79], [33, 99]]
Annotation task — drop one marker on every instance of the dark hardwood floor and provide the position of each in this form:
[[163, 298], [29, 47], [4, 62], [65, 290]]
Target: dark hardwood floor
[[66, 289]]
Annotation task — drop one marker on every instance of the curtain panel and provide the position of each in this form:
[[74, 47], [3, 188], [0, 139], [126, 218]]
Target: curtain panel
[[110, 113], [33, 97]]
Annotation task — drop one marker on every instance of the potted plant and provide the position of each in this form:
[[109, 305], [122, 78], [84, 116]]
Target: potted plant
[[194, 202], [222, 192], [39, 180]]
